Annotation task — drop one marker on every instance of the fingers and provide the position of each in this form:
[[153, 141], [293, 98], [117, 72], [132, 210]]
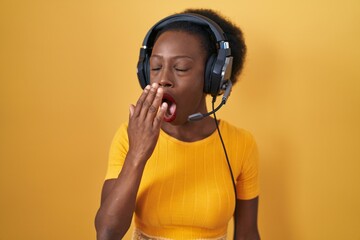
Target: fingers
[[131, 110], [141, 101], [148, 104], [153, 108], [160, 115]]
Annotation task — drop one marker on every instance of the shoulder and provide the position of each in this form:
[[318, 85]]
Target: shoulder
[[120, 138], [122, 128], [233, 132], [121, 132], [240, 143]]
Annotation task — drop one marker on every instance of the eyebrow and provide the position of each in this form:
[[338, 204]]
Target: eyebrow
[[175, 57]]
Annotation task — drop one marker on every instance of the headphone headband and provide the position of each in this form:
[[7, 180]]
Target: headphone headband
[[187, 17]]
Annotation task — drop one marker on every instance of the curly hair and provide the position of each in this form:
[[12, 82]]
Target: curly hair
[[232, 32]]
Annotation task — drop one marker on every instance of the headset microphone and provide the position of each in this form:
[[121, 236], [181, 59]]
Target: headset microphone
[[199, 116]]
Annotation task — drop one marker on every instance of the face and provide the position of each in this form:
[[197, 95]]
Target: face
[[177, 64]]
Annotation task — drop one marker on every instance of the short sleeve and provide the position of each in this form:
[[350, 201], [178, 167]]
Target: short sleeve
[[247, 186], [118, 151]]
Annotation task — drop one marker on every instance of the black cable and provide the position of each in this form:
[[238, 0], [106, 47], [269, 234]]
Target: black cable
[[227, 160]]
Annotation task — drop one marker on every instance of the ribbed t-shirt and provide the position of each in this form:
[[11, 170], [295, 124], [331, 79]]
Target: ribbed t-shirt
[[186, 190]]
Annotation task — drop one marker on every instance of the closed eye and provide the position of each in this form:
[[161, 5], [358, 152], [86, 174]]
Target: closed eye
[[155, 68], [181, 69]]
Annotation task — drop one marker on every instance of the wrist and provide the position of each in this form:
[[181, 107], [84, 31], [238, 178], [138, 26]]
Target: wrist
[[136, 159]]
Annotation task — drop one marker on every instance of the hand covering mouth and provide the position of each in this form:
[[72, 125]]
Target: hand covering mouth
[[170, 114]]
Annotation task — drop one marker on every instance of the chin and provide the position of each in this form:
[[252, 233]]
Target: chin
[[177, 121]]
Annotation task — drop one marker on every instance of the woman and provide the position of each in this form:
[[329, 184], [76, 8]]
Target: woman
[[172, 172]]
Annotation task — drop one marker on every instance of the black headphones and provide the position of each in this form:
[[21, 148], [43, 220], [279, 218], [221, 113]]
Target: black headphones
[[218, 66]]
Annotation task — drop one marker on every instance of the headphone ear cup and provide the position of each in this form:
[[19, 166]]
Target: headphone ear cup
[[147, 71], [141, 68], [208, 72], [143, 72]]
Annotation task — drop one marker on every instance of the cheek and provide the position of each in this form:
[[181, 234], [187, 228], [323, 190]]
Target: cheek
[[201, 81], [153, 77], [198, 78], [196, 91], [194, 87]]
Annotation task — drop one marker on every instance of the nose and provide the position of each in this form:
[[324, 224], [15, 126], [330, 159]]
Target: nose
[[166, 78], [165, 83]]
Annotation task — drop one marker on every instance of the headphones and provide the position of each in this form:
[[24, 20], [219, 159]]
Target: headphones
[[218, 66]]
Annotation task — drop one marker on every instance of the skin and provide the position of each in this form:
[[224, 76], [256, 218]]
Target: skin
[[177, 64], [176, 68]]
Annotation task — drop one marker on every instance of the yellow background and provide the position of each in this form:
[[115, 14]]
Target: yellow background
[[67, 77]]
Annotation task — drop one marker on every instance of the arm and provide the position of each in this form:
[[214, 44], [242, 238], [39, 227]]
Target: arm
[[246, 219], [118, 203], [118, 198]]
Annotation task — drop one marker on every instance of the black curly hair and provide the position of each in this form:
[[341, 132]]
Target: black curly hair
[[232, 32]]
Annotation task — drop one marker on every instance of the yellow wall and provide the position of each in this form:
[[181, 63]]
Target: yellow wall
[[67, 76]]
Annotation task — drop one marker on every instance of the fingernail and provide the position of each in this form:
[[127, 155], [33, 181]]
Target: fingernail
[[131, 110], [147, 88], [160, 90], [154, 85]]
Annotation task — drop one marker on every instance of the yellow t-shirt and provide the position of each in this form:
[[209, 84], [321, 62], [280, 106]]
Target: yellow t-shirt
[[186, 190]]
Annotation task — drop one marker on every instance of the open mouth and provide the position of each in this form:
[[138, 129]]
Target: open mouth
[[170, 114]]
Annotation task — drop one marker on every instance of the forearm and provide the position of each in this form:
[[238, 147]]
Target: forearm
[[115, 214], [250, 236], [246, 219]]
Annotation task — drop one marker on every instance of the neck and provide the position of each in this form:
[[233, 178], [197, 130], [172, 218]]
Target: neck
[[191, 131]]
